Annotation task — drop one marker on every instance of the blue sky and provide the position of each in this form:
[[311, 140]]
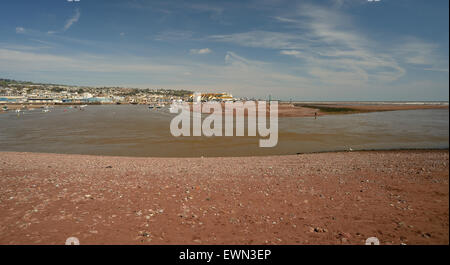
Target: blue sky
[[304, 50]]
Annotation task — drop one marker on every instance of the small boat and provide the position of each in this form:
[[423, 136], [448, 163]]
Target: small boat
[[45, 110], [151, 107], [5, 108]]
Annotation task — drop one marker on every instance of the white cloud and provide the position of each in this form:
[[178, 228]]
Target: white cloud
[[72, 20], [262, 39], [200, 51], [292, 53], [283, 19], [20, 30], [19, 61]]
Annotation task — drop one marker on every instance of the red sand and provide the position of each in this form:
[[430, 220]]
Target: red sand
[[329, 198], [295, 110]]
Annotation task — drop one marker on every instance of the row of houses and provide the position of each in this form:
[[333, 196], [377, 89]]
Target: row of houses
[[51, 100], [39, 95], [221, 97]]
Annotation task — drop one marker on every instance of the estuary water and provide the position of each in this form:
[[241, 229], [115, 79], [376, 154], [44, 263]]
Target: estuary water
[[136, 130]]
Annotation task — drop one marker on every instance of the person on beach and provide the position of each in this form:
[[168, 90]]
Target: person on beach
[[315, 115]]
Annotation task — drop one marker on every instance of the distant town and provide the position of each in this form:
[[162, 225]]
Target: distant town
[[20, 92]]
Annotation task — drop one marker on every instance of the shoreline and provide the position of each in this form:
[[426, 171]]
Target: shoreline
[[284, 109], [287, 110], [400, 197], [240, 156]]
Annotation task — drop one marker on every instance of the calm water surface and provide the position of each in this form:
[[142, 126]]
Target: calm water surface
[[128, 130]]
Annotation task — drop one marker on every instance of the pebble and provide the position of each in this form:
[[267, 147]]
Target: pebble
[[426, 235]]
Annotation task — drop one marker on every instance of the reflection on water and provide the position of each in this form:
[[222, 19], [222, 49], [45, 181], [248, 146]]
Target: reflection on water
[[128, 130]]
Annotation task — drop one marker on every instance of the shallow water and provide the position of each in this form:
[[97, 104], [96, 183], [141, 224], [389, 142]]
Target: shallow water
[[128, 130]]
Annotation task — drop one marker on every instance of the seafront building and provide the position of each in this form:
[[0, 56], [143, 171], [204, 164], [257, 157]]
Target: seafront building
[[203, 97], [29, 93]]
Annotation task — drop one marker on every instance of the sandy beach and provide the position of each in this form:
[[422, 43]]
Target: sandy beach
[[400, 197], [321, 109], [299, 110]]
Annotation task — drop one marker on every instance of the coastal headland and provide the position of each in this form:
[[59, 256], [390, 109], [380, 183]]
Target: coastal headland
[[400, 197]]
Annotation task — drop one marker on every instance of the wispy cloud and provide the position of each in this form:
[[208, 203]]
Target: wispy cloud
[[232, 58], [200, 51], [330, 47], [215, 10], [262, 39], [247, 73], [291, 53], [69, 23], [33, 61], [21, 47], [417, 52], [437, 69], [20, 30], [72, 20], [237, 74], [174, 35]]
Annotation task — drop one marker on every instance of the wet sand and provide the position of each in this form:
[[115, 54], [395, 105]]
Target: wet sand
[[313, 109], [325, 198], [126, 130], [25, 106], [22, 106], [298, 109]]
